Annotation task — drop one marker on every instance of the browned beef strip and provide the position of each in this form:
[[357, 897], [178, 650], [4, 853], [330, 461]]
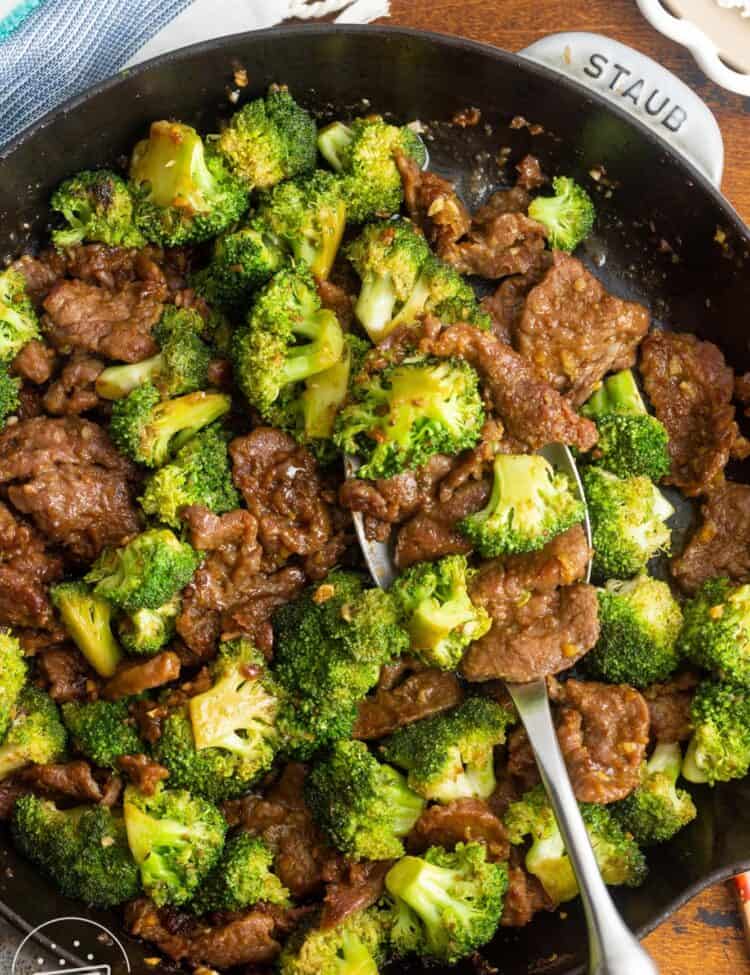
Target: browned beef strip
[[30, 402], [35, 362], [460, 821], [113, 324], [134, 678], [74, 389], [543, 621], [418, 696], [574, 332], [66, 674], [432, 204], [143, 772], [432, 532], [690, 386], [251, 614], [73, 780], [26, 570], [532, 412], [530, 175], [669, 708], [338, 300], [524, 898], [41, 273], [505, 305], [114, 267], [11, 789], [360, 886]]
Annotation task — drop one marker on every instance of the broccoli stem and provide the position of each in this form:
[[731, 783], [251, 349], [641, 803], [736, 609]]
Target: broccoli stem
[[691, 765], [117, 381], [375, 304], [617, 394], [324, 393], [666, 758], [323, 351], [333, 141], [357, 959]]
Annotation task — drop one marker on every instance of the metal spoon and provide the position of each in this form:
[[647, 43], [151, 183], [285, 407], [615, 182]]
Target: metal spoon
[[613, 949]]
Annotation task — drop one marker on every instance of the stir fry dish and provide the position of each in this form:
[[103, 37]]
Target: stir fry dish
[[211, 719]]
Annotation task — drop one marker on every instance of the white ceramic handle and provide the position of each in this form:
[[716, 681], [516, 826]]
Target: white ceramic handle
[[640, 86]]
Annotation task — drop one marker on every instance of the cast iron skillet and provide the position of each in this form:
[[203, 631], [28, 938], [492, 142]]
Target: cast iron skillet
[[695, 284]]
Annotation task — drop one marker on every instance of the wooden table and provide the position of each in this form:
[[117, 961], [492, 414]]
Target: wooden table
[[704, 938]]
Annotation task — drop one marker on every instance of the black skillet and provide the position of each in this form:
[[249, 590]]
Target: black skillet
[[656, 240]]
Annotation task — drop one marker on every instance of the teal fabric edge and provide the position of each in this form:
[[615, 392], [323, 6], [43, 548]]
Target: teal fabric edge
[[16, 17]]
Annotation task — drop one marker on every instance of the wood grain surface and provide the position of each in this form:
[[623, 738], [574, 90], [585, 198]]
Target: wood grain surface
[[705, 937]]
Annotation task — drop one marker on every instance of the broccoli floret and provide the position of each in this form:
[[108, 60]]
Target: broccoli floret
[[288, 339], [329, 646], [639, 623], [83, 850], [450, 756], [619, 858], [148, 430], [719, 749], [181, 365], [176, 840], [447, 904], [362, 153], [227, 737], [568, 215], [146, 572], [97, 205], [356, 946], [242, 261], [10, 388], [407, 413], [529, 505], [657, 809], [631, 441], [308, 215], [268, 140], [36, 733], [12, 677], [102, 731], [146, 631], [242, 877], [88, 621], [447, 296], [628, 522], [200, 473], [364, 807], [18, 321], [437, 610], [716, 631]]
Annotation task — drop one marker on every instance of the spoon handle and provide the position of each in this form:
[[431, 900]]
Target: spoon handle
[[613, 949]]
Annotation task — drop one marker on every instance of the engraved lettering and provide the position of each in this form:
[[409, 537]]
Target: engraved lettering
[[650, 109], [633, 91], [596, 65], [675, 119], [619, 72]]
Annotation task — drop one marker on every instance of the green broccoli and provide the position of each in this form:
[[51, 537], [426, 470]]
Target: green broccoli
[[719, 749], [35, 735], [451, 755], [102, 731], [329, 646], [146, 631], [308, 215], [269, 140], [181, 365], [176, 840], [242, 877], [10, 388], [226, 738], [83, 850], [628, 522], [401, 417], [242, 260], [12, 677], [97, 205], [716, 631], [631, 442], [355, 946], [148, 430], [437, 611], [200, 473], [657, 809], [364, 807], [639, 623], [146, 572], [446, 904], [288, 339], [88, 621], [18, 321], [619, 858], [183, 191], [568, 215], [530, 504], [362, 153]]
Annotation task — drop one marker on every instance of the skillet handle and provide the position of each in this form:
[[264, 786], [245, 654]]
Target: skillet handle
[[635, 83]]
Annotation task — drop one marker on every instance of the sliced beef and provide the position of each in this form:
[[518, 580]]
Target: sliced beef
[[543, 620], [669, 708], [360, 886], [574, 332], [11, 789], [35, 362], [74, 390], [251, 614], [143, 772], [26, 570], [690, 387], [506, 304], [433, 533], [524, 898], [41, 273], [114, 267], [530, 175], [72, 780], [432, 204], [460, 821], [134, 677], [416, 696], [338, 300], [720, 546], [66, 674]]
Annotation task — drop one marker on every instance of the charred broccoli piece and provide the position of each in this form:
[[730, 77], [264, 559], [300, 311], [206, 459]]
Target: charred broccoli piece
[[12, 677], [146, 631], [35, 734], [437, 611], [97, 205], [102, 731], [18, 321], [568, 215], [355, 946], [88, 621], [183, 193], [399, 418], [657, 809], [719, 749], [242, 877], [716, 631], [10, 388]]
